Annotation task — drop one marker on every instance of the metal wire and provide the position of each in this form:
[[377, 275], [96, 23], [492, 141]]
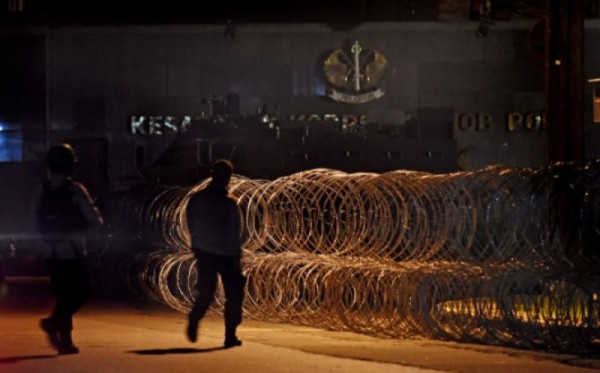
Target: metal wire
[[501, 255]]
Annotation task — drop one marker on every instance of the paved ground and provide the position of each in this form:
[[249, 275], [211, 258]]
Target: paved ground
[[117, 337]]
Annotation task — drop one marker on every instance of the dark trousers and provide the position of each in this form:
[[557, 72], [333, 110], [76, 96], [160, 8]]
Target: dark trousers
[[71, 284], [229, 268]]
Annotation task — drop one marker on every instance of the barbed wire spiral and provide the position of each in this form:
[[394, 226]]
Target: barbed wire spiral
[[502, 255]]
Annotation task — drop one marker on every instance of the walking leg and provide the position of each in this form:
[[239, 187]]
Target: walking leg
[[206, 285]]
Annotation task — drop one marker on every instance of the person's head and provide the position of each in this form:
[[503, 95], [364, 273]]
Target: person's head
[[221, 172], [61, 158]]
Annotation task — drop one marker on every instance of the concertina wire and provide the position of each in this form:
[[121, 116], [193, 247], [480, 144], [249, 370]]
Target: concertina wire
[[502, 256]]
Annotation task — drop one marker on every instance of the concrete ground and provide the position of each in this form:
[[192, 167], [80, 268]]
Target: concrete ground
[[118, 337]]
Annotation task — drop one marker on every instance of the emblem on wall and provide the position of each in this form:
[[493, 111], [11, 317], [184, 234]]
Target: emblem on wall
[[354, 74]]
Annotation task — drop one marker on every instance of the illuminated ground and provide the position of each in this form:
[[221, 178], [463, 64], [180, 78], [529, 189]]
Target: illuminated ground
[[118, 337]]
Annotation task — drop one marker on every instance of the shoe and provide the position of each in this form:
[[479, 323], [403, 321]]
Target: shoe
[[192, 331], [68, 350], [50, 329], [232, 342]]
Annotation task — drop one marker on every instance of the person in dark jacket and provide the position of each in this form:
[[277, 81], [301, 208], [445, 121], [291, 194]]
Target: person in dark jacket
[[214, 223], [64, 210]]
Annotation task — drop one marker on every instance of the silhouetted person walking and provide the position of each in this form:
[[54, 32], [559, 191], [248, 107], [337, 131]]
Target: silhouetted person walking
[[64, 210], [214, 223]]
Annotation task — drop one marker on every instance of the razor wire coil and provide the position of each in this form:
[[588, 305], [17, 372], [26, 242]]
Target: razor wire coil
[[501, 255]]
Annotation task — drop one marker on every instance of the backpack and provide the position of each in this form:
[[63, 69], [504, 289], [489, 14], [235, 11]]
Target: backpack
[[57, 215]]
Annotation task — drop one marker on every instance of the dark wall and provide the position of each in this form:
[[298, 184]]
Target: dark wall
[[23, 88], [438, 72], [100, 76]]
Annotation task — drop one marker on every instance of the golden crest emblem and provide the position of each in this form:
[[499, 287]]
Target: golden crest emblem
[[355, 76]]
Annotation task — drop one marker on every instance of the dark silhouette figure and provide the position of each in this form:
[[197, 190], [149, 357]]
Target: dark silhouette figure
[[64, 210], [214, 223]]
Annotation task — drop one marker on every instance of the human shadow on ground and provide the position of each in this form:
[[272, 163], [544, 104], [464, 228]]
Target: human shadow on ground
[[175, 351], [16, 359]]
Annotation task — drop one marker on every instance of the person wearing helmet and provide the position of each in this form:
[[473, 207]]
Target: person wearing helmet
[[64, 210]]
